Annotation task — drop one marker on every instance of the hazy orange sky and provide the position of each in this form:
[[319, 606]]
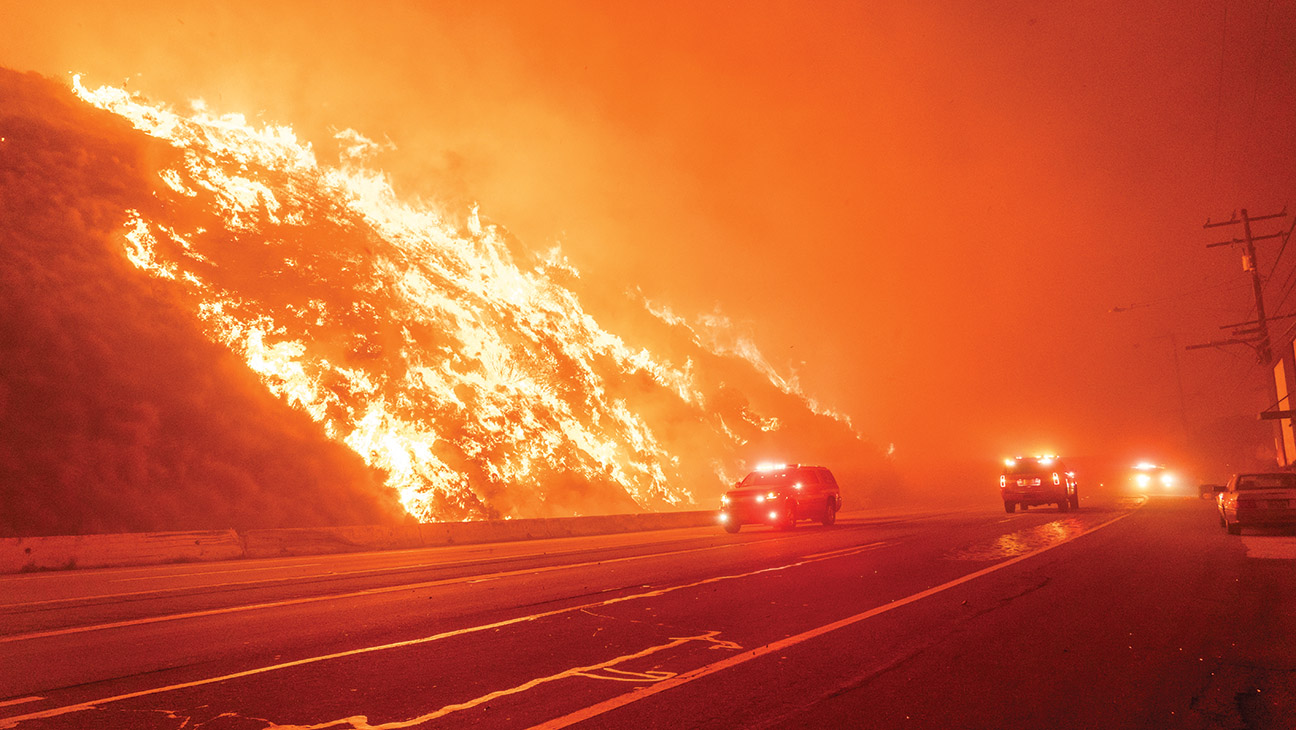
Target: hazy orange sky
[[928, 211]]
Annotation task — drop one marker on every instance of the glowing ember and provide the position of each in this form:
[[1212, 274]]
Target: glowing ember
[[476, 382]]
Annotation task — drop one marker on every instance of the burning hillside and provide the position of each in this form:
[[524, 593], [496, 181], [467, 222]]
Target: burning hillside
[[166, 273]]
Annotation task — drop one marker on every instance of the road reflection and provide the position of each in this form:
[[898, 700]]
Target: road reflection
[[1022, 541]]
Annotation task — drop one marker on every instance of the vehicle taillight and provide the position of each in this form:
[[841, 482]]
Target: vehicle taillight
[[1003, 482], [1056, 478]]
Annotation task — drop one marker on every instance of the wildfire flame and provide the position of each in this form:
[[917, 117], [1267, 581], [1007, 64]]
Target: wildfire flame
[[471, 379]]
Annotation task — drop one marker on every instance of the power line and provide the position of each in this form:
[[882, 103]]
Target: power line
[[1257, 336], [1226, 284], [1291, 275]]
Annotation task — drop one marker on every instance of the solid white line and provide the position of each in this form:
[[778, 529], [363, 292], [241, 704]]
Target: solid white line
[[9, 722], [205, 573], [733, 661], [159, 592], [853, 549]]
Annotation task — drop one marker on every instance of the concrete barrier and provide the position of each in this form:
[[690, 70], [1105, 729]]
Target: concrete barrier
[[18, 554], [326, 540]]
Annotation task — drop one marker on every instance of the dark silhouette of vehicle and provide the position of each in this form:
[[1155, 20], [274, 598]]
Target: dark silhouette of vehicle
[[1149, 478], [1029, 481], [779, 495]]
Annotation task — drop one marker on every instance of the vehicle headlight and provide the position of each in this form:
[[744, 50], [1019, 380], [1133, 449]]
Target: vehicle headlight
[[724, 499], [1167, 479], [760, 498], [1143, 480]]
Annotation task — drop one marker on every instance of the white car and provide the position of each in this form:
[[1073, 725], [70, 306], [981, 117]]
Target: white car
[[1266, 499]]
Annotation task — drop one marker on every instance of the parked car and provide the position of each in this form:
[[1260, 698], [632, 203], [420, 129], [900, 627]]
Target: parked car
[[1264, 499], [1028, 481], [781, 494]]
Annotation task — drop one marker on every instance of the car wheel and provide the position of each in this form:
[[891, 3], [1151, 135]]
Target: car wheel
[[790, 519], [1075, 501], [1010, 507], [830, 512], [732, 527], [1233, 529], [1223, 523], [1025, 507], [1064, 505]]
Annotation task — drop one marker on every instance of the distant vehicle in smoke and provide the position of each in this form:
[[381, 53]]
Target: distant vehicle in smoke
[[1029, 481], [1266, 499], [779, 495], [1148, 478]]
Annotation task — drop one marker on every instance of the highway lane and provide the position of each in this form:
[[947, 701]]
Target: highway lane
[[49, 601], [949, 619], [44, 625]]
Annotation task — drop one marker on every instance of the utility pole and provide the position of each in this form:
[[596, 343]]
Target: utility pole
[[1259, 334]]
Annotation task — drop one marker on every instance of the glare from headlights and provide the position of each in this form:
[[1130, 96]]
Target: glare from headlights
[[724, 517], [1143, 480], [760, 498], [1167, 479], [724, 499], [773, 515]]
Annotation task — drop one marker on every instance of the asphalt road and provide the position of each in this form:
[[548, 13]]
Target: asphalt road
[[1118, 615]]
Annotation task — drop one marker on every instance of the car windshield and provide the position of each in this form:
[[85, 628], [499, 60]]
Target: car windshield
[[1267, 481]]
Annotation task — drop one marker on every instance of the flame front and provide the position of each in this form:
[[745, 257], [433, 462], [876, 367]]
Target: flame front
[[476, 383]]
